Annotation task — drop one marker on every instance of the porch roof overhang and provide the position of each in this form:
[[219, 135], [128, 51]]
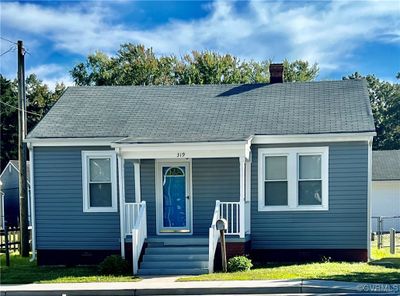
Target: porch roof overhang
[[217, 149]]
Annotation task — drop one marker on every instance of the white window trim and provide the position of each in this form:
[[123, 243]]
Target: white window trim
[[86, 156], [293, 177]]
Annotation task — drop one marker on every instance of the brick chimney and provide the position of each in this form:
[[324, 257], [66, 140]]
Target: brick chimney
[[276, 73]]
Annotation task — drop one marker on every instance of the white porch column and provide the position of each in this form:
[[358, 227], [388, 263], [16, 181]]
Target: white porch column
[[138, 194], [242, 220], [248, 196], [121, 194]]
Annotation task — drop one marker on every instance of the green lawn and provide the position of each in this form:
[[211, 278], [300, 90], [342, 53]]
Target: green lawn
[[21, 271], [385, 268]]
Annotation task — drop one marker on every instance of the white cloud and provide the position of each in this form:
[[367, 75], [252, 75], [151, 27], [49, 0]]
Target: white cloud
[[51, 74], [325, 32]]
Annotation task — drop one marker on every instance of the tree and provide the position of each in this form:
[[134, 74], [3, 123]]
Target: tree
[[9, 121], [39, 101], [137, 65], [385, 103]]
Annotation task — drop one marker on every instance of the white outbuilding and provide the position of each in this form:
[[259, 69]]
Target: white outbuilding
[[385, 197]]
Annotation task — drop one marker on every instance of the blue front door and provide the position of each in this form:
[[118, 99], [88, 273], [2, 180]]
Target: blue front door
[[175, 198]]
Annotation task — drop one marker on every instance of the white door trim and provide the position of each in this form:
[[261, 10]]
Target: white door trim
[[159, 196]]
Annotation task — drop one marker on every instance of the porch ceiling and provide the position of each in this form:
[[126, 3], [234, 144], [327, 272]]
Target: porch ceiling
[[128, 149]]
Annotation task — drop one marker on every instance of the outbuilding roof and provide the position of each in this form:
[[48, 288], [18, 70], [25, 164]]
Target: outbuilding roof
[[199, 113], [386, 165]]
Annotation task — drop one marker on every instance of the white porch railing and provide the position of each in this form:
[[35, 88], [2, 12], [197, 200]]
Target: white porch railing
[[213, 236], [135, 219], [230, 211], [131, 212]]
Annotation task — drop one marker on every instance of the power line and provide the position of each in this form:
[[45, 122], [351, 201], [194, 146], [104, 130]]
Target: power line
[[33, 113], [14, 43], [12, 48], [8, 40]]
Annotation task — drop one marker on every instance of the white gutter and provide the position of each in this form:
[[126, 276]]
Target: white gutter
[[312, 138]]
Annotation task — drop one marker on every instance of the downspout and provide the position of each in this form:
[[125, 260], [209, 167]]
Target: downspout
[[33, 210], [369, 198]]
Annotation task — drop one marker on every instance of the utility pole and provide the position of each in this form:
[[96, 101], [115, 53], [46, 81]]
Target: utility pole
[[22, 127]]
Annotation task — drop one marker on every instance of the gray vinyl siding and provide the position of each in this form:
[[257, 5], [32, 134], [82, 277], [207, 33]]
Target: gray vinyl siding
[[129, 179], [148, 193], [212, 179], [60, 220], [343, 226]]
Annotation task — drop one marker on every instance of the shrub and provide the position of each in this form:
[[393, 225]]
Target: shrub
[[325, 259], [239, 263], [114, 265]]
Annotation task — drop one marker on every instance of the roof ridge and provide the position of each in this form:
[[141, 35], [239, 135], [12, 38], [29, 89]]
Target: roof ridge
[[218, 84]]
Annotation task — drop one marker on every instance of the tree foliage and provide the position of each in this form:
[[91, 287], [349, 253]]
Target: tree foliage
[[385, 103], [39, 100], [138, 65]]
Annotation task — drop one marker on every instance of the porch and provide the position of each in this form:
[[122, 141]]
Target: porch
[[175, 203]]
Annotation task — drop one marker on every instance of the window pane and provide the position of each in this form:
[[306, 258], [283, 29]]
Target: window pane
[[310, 193], [175, 171], [100, 170], [276, 193], [100, 195], [310, 166], [275, 167]]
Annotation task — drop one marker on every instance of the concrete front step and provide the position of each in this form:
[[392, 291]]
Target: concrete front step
[[174, 258], [178, 241], [172, 271], [176, 250], [174, 264]]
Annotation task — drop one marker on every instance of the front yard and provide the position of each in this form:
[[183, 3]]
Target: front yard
[[22, 271], [385, 268]]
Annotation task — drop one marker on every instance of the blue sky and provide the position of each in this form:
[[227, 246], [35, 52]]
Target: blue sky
[[341, 36]]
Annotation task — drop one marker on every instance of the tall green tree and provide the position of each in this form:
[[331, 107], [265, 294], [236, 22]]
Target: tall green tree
[[385, 103], [138, 65], [39, 101]]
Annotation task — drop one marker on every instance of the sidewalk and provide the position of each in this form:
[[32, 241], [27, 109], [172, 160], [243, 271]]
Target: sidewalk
[[168, 286]]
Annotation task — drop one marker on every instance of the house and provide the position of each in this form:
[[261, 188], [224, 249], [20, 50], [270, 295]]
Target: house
[[9, 203], [385, 197], [146, 171]]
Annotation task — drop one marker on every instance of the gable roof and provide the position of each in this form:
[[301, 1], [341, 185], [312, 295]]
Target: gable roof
[[15, 165], [199, 113], [386, 165]]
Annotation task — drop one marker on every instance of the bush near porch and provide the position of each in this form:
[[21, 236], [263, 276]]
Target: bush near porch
[[385, 268], [22, 271]]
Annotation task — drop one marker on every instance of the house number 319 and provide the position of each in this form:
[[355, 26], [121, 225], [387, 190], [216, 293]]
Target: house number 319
[[180, 154]]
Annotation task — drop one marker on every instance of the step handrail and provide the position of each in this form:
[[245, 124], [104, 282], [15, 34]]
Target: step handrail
[[139, 235], [213, 236]]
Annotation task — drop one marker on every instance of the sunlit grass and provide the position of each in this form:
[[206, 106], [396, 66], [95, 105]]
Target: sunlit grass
[[385, 268], [22, 271]]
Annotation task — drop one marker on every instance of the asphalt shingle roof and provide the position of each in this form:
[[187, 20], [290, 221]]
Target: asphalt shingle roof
[[386, 165], [190, 113]]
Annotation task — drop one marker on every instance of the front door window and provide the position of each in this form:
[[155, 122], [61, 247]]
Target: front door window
[[174, 197]]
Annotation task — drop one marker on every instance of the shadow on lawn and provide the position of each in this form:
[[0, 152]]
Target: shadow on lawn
[[387, 262], [32, 274], [22, 271], [392, 277]]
